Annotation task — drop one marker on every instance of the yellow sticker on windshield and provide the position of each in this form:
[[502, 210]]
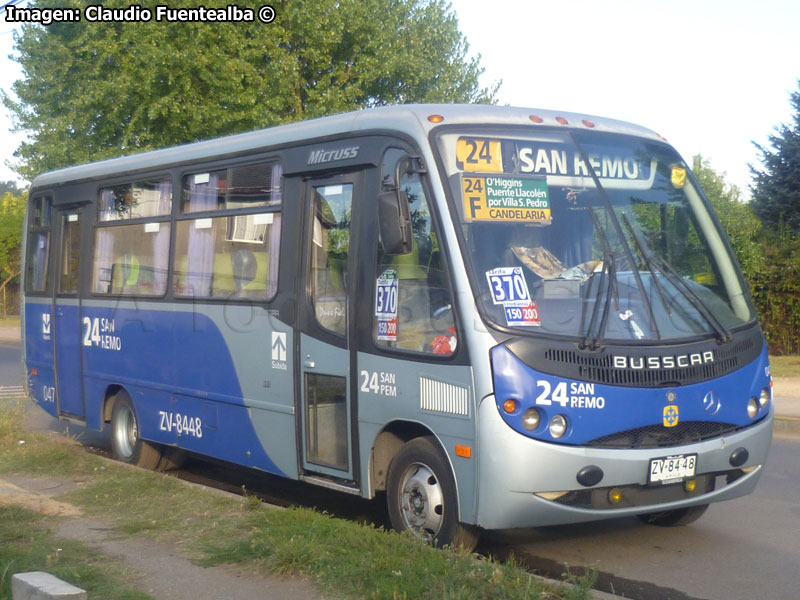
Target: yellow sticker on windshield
[[678, 177], [478, 155]]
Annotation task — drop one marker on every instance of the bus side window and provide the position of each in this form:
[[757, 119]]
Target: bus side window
[[40, 220], [413, 305]]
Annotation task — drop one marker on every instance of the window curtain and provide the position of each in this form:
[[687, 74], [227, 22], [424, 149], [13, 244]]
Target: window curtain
[[200, 259], [275, 231], [104, 246], [161, 240], [38, 272]]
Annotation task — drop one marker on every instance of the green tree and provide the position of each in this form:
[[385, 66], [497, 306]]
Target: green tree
[[736, 216], [776, 193], [95, 90], [12, 213], [10, 186]]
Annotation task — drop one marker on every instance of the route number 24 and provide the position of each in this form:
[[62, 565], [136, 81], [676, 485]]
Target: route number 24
[[559, 393]]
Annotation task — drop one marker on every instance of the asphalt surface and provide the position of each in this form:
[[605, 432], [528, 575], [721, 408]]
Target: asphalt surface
[[11, 373], [735, 550]]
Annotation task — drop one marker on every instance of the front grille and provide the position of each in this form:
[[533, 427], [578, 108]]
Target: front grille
[[599, 369], [658, 436]]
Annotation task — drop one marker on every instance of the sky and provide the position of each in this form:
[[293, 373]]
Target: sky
[[711, 76]]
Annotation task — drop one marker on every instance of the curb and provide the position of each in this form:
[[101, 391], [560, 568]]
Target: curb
[[38, 585], [786, 426]]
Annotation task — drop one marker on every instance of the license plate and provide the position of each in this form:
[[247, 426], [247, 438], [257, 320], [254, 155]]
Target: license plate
[[670, 469]]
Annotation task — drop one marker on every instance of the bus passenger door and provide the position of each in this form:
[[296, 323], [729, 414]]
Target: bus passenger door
[[326, 411], [67, 317]]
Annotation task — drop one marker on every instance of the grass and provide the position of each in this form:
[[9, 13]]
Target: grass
[[785, 366], [343, 558], [27, 544]]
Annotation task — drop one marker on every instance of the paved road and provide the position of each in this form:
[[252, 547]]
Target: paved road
[[739, 550], [11, 372], [742, 549]]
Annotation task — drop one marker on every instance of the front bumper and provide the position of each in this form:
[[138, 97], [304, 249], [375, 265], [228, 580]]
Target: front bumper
[[514, 468]]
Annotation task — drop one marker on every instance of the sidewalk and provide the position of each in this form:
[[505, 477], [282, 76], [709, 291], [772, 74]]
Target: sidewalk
[[786, 394], [161, 569], [9, 334], [156, 564]]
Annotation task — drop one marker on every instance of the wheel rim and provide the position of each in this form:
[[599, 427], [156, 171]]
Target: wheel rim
[[421, 501], [125, 432]]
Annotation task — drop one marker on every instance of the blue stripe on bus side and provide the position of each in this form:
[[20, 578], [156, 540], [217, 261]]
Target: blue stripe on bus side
[[175, 365]]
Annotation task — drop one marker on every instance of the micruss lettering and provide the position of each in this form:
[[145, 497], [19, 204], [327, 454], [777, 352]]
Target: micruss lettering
[[316, 157]]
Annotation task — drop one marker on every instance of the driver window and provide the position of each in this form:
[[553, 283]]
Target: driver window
[[413, 305]]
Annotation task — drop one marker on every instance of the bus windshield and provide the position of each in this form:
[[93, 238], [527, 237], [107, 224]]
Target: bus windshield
[[590, 235]]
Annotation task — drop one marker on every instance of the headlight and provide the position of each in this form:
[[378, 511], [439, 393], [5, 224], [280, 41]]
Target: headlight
[[752, 407], [530, 419], [763, 399], [558, 426]]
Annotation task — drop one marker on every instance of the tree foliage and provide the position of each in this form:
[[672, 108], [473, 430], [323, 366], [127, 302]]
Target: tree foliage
[[12, 213], [776, 291], [776, 193], [95, 90], [770, 259], [736, 217]]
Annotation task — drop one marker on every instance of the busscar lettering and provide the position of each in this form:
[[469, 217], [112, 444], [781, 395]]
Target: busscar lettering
[[663, 362]]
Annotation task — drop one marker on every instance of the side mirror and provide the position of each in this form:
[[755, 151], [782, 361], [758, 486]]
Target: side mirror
[[394, 221]]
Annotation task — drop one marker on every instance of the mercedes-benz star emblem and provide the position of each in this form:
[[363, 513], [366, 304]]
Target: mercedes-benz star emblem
[[712, 403]]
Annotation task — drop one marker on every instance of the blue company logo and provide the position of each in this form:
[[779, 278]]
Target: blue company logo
[[712, 403]]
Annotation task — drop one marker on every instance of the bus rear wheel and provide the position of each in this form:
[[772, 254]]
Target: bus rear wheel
[[421, 495], [674, 518], [126, 445]]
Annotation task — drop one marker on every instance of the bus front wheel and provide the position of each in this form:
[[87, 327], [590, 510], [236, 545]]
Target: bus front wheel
[[676, 517], [126, 445], [421, 494]]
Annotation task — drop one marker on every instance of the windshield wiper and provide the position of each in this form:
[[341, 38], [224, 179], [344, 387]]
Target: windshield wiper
[[648, 257], [723, 333], [623, 242], [591, 340], [659, 265]]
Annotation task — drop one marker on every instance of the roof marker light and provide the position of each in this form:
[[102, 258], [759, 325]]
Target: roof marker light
[[588, 123], [536, 119], [435, 118], [562, 120]]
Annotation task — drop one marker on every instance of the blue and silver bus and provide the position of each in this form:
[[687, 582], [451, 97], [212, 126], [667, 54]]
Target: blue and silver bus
[[499, 317]]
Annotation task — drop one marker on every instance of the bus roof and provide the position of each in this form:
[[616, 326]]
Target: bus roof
[[411, 119]]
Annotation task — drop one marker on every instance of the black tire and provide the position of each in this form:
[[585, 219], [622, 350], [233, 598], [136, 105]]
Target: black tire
[[126, 445], [421, 494], [675, 518]]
